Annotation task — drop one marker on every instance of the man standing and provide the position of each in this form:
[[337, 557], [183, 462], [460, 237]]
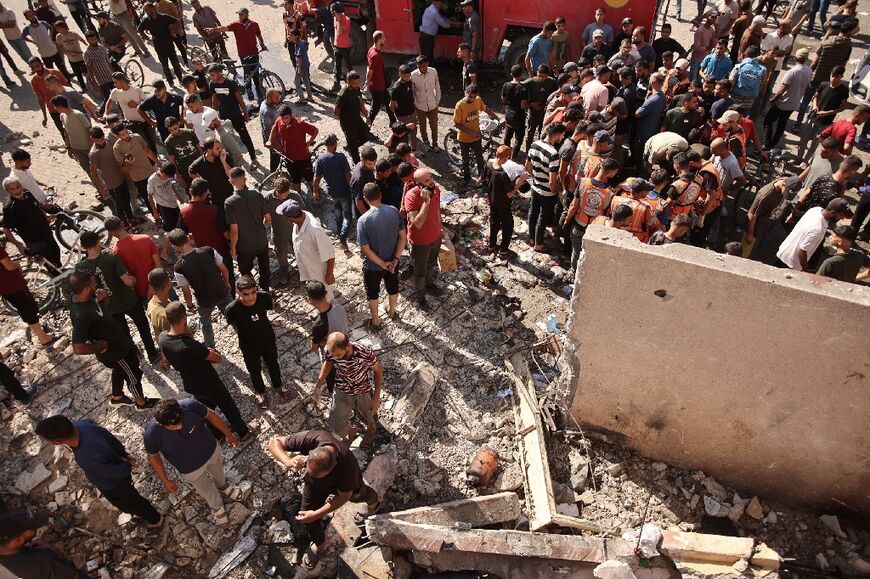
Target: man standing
[[178, 431], [24, 215], [787, 98], [402, 102], [515, 98], [431, 22], [352, 116], [282, 230], [247, 217], [137, 252], [381, 236], [764, 222], [376, 79], [703, 42], [539, 88], [685, 119], [829, 101], [471, 28], [13, 33], [226, 98], [466, 119], [330, 469], [135, 159], [539, 51], [717, 65], [649, 116], [354, 394], [158, 281], [98, 66], [591, 200], [206, 224], [162, 105], [158, 29], [341, 42], [267, 117], [214, 167], [543, 165], [203, 270], [204, 18], [182, 147], [599, 24], [106, 173], [294, 137], [248, 314], [834, 51], [422, 205], [94, 331], [846, 264], [77, 129], [202, 119], [801, 244], [106, 463], [334, 169], [315, 255], [427, 96], [129, 98], [42, 92], [164, 194], [779, 42], [247, 33], [41, 34]]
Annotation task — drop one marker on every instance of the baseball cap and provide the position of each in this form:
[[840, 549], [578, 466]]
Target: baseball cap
[[618, 105], [603, 137], [792, 186], [598, 32], [846, 232], [682, 64], [626, 20], [840, 205], [289, 208], [466, 2], [570, 67], [15, 522], [729, 117], [245, 10], [330, 139]]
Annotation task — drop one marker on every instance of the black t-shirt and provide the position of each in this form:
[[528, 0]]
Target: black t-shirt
[[160, 30], [218, 182], [468, 68], [251, 322], [25, 217], [539, 91], [226, 91], [348, 101], [500, 184], [344, 477], [830, 98], [189, 357], [514, 93], [90, 323], [37, 562], [681, 122], [403, 94]]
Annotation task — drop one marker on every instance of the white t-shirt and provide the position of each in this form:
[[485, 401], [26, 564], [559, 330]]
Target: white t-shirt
[[807, 235], [135, 94], [28, 181], [773, 42], [513, 169], [13, 33], [201, 122]]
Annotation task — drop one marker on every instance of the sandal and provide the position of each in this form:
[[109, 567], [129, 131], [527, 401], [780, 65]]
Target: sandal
[[370, 326], [220, 517], [359, 517], [310, 558], [232, 492], [394, 315]]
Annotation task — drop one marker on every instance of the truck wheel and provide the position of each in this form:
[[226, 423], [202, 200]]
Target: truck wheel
[[358, 43], [516, 53]]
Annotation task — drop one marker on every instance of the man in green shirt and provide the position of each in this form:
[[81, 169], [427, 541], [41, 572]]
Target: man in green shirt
[[847, 263], [77, 129], [112, 275], [183, 148]]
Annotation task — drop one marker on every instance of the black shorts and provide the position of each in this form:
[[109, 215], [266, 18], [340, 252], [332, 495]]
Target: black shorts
[[372, 282], [25, 305], [169, 216], [301, 170]]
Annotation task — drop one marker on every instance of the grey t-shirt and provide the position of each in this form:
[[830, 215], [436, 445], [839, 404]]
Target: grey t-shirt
[[379, 228], [798, 79], [471, 25], [820, 167], [282, 228], [246, 209], [110, 171]]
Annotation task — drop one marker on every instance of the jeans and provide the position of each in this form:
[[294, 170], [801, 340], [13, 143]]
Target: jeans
[[253, 356], [343, 208], [536, 122], [251, 71], [819, 7], [540, 216], [127, 499], [805, 102], [381, 98], [246, 265], [303, 75], [167, 55], [11, 383], [774, 123], [127, 370], [342, 56], [126, 22], [137, 314], [424, 258], [516, 128], [501, 219], [205, 318], [466, 149], [20, 46]]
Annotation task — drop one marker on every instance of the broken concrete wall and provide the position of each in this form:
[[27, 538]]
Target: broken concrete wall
[[756, 375]]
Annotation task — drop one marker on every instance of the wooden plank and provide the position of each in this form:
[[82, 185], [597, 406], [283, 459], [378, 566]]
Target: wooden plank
[[477, 511]]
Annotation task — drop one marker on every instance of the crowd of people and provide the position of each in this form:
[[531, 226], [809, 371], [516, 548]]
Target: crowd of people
[[630, 133]]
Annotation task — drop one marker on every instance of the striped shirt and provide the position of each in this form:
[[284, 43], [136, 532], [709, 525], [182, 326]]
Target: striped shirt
[[545, 160], [97, 63], [352, 374]]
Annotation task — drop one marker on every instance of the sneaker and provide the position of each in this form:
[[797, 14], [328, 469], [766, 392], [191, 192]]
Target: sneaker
[[149, 404], [31, 394], [434, 290], [124, 400]]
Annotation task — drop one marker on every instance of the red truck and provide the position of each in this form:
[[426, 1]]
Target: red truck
[[504, 23]]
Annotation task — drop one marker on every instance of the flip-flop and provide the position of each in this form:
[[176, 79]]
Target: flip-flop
[[359, 517], [310, 558], [50, 343], [373, 328]]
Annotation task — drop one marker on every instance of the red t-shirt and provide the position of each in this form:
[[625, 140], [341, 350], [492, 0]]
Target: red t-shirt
[[376, 65], [246, 37], [843, 130], [40, 87], [294, 138], [343, 40], [136, 251], [431, 230], [11, 281], [201, 221]]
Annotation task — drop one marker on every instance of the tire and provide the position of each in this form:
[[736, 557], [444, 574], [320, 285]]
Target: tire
[[133, 71], [40, 285], [194, 52], [450, 144], [68, 233], [358, 43], [269, 79], [516, 53]]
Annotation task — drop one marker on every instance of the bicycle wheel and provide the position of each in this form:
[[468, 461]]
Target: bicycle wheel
[[269, 79], [194, 52], [133, 71], [450, 145], [68, 231], [40, 284]]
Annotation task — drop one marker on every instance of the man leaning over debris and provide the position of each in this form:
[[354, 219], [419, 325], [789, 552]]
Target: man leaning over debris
[[330, 469]]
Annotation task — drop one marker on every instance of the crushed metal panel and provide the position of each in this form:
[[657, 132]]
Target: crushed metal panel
[[476, 511]]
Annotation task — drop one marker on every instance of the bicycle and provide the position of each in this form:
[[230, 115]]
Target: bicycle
[[68, 226], [132, 69], [209, 55], [43, 280], [268, 181], [490, 130]]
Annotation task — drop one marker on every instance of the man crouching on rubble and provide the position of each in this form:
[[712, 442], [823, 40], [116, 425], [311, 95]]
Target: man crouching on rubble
[[330, 469]]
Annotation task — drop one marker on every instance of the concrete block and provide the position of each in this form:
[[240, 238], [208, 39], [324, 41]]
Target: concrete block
[[706, 548]]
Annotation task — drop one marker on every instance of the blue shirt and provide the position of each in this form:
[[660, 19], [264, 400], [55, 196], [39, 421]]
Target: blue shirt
[[650, 116], [379, 228], [716, 67], [187, 448], [432, 20], [301, 54], [333, 169], [539, 51], [101, 456], [749, 75]]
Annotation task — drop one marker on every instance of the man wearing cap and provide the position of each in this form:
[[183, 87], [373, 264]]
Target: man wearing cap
[[17, 528], [539, 51], [764, 222], [677, 80], [801, 244], [596, 47], [846, 264], [627, 27], [716, 65], [594, 93], [315, 255], [471, 28], [787, 98], [247, 33], [601, 24]]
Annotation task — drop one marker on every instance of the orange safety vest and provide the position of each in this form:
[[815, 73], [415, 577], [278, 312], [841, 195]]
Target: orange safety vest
[[716, 193], [642, 213], [590, 165], [593, 201], [739, 136], [689, 191]]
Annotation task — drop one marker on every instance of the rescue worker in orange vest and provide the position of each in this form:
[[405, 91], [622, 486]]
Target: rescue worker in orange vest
[[709, 205], [643, 222], [685, 191], [602, 143], [731, 130], [591, 199], [621, 217]]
